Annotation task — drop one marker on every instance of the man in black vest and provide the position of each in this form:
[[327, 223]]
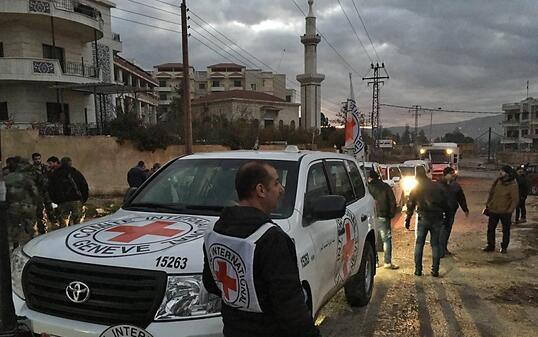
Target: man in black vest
[[247, 255]]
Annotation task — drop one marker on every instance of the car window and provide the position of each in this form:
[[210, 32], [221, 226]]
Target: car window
[[384, 173], [421, 169], [209, 184], [316, 184], [340, 180], [407, 170], [356, 179], [394, 172]]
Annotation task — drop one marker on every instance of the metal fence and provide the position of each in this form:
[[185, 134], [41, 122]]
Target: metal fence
[[80, 69]]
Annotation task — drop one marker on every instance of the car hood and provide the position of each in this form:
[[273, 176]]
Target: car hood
[[130, 239]]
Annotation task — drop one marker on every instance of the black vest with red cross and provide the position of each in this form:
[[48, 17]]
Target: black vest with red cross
[[231, 261]]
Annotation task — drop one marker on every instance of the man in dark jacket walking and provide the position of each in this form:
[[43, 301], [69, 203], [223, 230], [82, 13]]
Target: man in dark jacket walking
[[502, 201], [456, 199], [386, 209], [431, 202], [137, 175], [524, 189], [68, 188], [251, 263]]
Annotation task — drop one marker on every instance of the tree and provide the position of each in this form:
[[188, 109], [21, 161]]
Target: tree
[[421, 138], [457, 137], [324, 121]]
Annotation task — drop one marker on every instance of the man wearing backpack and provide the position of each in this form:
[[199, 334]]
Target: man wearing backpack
[[68, 188]]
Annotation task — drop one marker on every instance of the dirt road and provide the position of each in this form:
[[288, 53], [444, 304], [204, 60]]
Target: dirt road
[[478, 294]]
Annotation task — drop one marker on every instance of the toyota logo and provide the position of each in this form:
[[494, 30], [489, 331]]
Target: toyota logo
[[77, 292]]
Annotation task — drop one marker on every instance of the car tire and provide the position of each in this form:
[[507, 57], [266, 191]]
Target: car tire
[[358, 289]]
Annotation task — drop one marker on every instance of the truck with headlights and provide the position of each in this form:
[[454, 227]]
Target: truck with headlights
[[138, 272], [441, 155]]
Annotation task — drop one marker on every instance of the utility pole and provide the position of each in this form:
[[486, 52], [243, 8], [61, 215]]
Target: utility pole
[[415, 110], [375, 80], [489, 145], [186, 79]]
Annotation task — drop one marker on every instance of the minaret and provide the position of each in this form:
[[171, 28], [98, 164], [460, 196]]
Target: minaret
[[310, 80]]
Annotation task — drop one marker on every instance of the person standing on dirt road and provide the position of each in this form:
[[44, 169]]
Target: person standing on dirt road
[[277, 305], [524, 190], [430, 200], [502, 201], [456, 199], [386, 210]]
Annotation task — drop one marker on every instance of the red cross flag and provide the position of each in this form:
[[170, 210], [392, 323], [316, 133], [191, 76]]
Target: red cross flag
[[354, 144]]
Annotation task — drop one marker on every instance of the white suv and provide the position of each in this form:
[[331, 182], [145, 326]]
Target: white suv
[[138, 271]]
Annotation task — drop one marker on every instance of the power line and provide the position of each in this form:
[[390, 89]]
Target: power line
[[366, 30], [355, 32], [442, 110]]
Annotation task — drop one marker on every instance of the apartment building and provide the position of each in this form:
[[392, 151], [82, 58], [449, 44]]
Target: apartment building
[[219, 77], [520, 125], [54, 57], [141, 97]]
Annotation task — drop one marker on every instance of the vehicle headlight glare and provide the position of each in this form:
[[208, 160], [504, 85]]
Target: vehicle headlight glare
[[18, 261], [186, 297], [409, 184]]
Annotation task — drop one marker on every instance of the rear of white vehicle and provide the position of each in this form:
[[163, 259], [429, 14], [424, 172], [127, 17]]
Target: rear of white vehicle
[[142, 265]]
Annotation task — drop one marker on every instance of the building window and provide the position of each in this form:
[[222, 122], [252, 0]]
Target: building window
[[525, 116], [162, 83], [292, 124], [237, 83], [288, 98], [54, 112], [269, 123], [163, 97], [509, 117], [54, 53], [264, 83], [215, 84], [201, 86], [1, 49], [4, 116], [253, 87], [524, 132], [280, 124]]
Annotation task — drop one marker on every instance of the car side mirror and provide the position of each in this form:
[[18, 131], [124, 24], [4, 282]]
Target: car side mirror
[[396, 179], [129, 194], [328, 207]]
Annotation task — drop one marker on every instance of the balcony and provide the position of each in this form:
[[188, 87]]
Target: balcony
[[116, 43], [46, 70], [217, 89], [511, 106], [511, 122], [70, 15], [164, 89]]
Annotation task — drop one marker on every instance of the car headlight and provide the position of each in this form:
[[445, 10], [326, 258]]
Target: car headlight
[[186, 297], [18, 261], [409, 184]]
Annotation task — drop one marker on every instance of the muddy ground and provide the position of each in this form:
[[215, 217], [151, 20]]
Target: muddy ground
[[478, 293]]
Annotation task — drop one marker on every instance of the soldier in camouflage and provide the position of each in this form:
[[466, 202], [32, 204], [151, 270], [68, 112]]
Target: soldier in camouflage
[[22, 197], [44, 206]]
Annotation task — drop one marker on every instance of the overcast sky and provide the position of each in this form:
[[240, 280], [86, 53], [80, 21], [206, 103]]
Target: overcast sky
[[454, 54]]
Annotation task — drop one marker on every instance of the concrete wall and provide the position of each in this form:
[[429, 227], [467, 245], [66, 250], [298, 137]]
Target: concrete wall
[[517, 158], [103, 161]]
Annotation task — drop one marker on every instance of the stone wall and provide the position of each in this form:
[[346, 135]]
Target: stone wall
[[517, 158], [103, 161]]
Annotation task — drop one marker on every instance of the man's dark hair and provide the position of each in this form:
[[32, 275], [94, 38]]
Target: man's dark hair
[[66, 161], [140, 163], [35, 154], [249, 176], [53, 159]]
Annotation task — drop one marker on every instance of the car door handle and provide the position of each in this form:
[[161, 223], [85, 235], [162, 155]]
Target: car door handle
[[364, 218]]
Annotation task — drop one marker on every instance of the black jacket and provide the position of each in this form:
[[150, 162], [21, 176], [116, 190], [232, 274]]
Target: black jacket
[[455, 196], [276, 279], [67, 184], [136, 176], [523, 185], [384, 198], [429, 198]]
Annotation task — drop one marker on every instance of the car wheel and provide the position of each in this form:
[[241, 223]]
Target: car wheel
[[534, 190], [358, 289]]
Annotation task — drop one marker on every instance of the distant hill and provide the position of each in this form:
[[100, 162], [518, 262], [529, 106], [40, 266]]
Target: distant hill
[[471, 128]]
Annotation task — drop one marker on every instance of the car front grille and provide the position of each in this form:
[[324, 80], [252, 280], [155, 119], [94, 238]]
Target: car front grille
[[117, 295]]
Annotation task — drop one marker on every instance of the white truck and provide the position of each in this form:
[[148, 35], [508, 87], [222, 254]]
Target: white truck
[[138, 271], [441, 155]]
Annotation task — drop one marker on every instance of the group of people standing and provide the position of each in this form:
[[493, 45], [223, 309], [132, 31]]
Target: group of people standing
[[42, 197], [436, 204], [138, 174]]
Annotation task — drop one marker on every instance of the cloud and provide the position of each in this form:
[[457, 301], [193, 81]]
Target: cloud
[[458, 54]]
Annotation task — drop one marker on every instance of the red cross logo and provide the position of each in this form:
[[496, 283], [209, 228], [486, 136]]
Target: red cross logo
[[350, 124], [347, 249], [228, 283], [131, 233]]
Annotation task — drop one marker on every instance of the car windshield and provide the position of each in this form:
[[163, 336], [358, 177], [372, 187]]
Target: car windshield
[[407, 170], [206, 186]]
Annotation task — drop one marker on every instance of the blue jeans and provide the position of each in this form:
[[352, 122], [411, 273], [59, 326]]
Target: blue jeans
[[383, 226], [433, 225], [445, 232]]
